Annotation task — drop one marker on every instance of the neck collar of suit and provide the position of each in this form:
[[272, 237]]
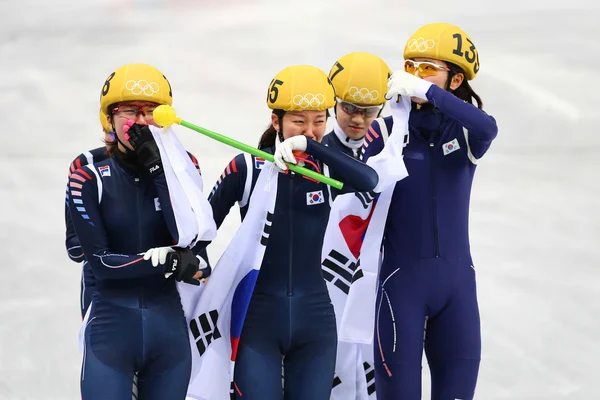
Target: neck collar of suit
[[128, 160], [346, 141]]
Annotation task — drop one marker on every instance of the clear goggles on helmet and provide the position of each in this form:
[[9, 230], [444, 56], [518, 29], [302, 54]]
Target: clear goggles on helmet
[[425, 68], [352, 109], [132, 110]]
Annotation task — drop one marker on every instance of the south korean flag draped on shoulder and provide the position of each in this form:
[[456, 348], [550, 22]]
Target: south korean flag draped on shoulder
[[193, 213], [218, 314], [351, 257]]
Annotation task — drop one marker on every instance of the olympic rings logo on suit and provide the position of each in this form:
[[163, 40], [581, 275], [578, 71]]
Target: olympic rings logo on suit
[[420, 44], [142, 86], [363, 95], [308, 100]]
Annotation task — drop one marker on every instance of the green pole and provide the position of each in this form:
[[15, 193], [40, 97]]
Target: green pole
[[259, 153]]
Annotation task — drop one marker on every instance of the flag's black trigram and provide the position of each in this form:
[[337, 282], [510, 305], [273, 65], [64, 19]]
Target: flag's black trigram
[[338, 270], [358, 273], [336, 381], [267, 229], [370, 374], [204, 328], [366, 198]]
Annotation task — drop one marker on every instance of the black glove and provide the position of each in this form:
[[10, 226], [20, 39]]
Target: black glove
[[184, 264], [146, 149]]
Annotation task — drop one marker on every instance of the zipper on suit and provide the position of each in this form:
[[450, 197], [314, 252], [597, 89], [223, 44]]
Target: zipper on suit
[[291, 243], [436, 240], [136, 182]]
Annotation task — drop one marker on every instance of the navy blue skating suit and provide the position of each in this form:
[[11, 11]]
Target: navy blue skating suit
[[136, 322], [290, 314], [88, 281], [427, 278], [333, 141]]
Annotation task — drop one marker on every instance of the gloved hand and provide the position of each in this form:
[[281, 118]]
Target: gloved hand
[[184, 264], [158, 255], [401, 83], [145, 147], [284, 150]]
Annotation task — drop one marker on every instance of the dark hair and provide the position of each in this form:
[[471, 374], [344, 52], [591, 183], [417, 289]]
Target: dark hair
[[111, 145], [464, 91], [267, 139]]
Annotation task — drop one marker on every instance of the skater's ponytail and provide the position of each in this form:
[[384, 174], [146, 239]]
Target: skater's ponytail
[[464, 91], [268, 137]]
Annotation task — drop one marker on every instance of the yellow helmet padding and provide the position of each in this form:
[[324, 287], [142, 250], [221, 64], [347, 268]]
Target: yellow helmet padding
[[105, 125], [360, 78], [444, 42], [135, 82], [301, 88]]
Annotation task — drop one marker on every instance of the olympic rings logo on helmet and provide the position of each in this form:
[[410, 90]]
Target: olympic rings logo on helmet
[[309, 100], [142, 86], [363, 95], [420, 44]]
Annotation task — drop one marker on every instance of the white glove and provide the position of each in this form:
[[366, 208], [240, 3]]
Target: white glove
[[402, 83], [400, 110], [283, 151], [158, 255]]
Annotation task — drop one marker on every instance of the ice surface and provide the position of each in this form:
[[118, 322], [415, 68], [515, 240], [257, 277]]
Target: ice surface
[[534, 223]]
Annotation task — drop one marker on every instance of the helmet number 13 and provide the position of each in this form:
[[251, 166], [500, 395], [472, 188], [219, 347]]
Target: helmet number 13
[[471, 55]]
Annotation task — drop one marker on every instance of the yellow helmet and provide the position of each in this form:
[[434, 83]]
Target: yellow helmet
[[301, 88], [135, 82], [360, 78], [447, 43], [105, 125]]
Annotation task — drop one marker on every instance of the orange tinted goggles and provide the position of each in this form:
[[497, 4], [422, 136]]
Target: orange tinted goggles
[[425, 68]]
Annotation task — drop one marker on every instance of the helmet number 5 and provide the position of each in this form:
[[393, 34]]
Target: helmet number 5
[[274, 90]]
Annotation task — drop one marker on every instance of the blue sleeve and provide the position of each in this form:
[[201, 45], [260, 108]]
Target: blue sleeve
[[356, 176], [195, 162], [89, 227], [481, 127], [373, 143], [229, 189], [72, 244], [200, 251]]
